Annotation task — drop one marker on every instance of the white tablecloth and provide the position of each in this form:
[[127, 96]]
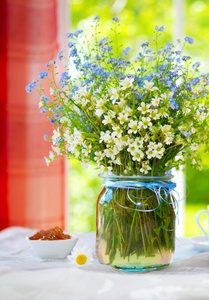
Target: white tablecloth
[[24, 276]]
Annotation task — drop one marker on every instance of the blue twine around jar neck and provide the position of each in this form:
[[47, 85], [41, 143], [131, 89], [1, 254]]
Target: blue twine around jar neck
[[156, 186], [136, 184]]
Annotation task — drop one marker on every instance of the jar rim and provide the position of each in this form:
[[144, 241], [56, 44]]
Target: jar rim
[[155, 176]]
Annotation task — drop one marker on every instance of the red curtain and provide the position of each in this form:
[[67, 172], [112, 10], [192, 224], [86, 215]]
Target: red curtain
[[31, 194]]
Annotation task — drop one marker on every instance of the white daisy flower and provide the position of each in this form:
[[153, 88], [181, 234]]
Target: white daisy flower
[[84, 101], [113, 94], [137, 155], [152, 145], [107, 120], [126, 83], [197, 115], [150, 153], [203, 81], [168, 140], [128, 110], [98, 155], [133, 127], [123, 117], [56, 135], [77, 136], [117, 131], [149, 86], [132, 148], [165, 128], [83, 91], [110, 153], [159, 150], [86, 150], [100, 102], [144, 108], [163, 114], [119, 143], [65, 120], [145, 122], [145, 168], [154, 114], [200, 89], [117, 161], [156, 101], [195, 146], [76, 98], [99, 112], [105, 169], [105, 136], [81, 256]]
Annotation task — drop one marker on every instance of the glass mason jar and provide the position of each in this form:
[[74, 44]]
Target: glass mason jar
[[135, 223]]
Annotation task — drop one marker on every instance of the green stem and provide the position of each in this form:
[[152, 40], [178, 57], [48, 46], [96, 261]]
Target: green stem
[[116, 219], [130, 235]]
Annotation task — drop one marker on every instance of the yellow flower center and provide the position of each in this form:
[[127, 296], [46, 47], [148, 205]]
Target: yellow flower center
[[81, 259]]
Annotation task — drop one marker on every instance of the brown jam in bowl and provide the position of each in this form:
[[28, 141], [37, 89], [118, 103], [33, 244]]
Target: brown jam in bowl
[[52, 234]]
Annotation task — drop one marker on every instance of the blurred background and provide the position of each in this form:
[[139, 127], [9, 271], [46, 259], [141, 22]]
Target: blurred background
[[31, 34]]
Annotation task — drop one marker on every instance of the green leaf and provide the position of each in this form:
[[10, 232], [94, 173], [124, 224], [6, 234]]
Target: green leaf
[[152, 239], [157, 231]]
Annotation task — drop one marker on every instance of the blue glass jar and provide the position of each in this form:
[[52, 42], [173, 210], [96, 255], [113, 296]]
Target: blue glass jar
[[135, 228]]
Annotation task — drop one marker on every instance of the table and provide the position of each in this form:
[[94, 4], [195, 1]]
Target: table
[[25, 276]]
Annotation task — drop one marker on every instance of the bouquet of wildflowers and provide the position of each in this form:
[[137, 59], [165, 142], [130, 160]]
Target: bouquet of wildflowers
[[140, 115], [131, 115]]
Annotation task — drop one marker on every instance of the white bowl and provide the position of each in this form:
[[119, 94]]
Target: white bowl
[[52, 249]]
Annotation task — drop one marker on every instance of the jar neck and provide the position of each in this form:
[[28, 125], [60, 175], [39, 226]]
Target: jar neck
[[142, 178]]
